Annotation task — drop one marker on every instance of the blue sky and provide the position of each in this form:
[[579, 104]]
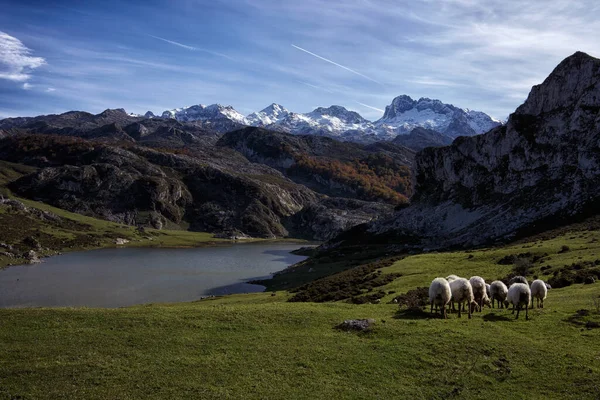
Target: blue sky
[[57, 56]]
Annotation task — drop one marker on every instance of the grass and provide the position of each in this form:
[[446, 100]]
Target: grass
[[261, 346]]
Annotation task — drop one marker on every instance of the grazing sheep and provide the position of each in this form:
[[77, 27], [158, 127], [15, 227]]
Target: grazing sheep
[[498, 292], [518, 279], [479, 291], [463, 292], [440, 294], [488, 290], [519, 294], [451, 278], [539, 291]]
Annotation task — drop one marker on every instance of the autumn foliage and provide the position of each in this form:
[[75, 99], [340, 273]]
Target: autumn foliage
[[376, 177]]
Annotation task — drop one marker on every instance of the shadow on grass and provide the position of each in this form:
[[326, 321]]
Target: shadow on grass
[[493, 317], [414, 313]]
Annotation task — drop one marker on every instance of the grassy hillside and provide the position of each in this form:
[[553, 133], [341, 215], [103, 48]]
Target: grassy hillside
[[262, 347]]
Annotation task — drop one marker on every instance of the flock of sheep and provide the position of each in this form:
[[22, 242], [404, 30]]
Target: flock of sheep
[[475, 293]]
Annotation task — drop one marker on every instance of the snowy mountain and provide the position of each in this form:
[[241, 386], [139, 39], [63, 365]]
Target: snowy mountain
[[215, 116], [205, 113], [270, 115], [402, 116], [405, 114], [333, 121]]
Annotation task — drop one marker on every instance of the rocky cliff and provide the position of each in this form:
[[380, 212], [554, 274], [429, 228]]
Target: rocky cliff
[[542, 166]]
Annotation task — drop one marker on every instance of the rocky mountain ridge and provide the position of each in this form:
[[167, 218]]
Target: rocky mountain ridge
[[401, 116], [541, 167]]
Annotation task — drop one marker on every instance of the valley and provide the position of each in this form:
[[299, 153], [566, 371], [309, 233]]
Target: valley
[[428, 190]]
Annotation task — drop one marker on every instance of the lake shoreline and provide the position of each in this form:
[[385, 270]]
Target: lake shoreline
[[127, 276]]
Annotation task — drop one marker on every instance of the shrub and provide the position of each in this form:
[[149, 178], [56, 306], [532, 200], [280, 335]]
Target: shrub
[[564, 249]]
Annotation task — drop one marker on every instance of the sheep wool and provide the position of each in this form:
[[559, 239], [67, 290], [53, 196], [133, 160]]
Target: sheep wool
[[479, 291], [518, 279], [463, 292], [519, 295], [539, 291], [498, 293], [440, 295]]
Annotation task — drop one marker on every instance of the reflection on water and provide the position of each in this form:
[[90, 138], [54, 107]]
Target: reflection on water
[[122, 277]]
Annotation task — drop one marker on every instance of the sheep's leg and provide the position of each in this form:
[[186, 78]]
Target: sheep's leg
[[469, 308], [459, 310], [431, 311], [518, 310], [531, 302], [443, 310], [527, 312], [542, 301]]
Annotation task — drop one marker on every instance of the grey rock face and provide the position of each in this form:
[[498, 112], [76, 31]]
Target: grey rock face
[[544, 164]]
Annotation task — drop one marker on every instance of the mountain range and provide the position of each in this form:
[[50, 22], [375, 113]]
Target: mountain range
[[538, 171], [203, 168], [400, 117]]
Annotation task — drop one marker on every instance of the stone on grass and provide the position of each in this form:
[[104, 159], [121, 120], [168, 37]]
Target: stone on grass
[[361, 325]]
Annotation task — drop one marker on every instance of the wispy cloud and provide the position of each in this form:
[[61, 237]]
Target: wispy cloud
[[50, 90], [371, 107], [16, 62], [185, 46], [27, 86], [334, 63]]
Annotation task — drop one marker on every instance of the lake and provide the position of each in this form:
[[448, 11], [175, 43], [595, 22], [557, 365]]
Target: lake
[[128, 276]]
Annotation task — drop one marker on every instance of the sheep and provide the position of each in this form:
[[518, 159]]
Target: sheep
[[518, 279], [440, 294], [539, 291], [519, 294], [498, 292], [488, 290], [479, 291], [451, 278], [463, 292]]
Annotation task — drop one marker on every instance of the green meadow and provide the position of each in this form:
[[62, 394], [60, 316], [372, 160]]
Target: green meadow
[[260, 346]]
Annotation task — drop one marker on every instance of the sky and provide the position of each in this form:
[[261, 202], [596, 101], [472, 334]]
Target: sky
[[57, 56]]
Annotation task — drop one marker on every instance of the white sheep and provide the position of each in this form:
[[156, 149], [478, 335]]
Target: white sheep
[[440, 295], [451, 278], [463, 292], [479, 291], [498, 292], [518, 279], [539, 291], [519, 294], [488, 289]]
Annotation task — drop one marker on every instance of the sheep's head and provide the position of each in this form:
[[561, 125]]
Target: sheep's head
[[506, 303], [474, 306], [487, 302]]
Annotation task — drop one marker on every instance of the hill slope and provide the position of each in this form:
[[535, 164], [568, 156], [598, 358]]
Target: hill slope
[[260, 346]]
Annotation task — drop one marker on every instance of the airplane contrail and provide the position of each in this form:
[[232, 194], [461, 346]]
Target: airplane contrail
[[315, 86], [185, 46], [334, 63], [371, 107]]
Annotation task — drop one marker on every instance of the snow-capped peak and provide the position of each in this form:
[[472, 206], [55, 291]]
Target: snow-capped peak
[[405, 114], [201, 112], [268, 115]]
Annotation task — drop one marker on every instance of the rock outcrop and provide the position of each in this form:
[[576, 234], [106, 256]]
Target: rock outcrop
[[542, 166]]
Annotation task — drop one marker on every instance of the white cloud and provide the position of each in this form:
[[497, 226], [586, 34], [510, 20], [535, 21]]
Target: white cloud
[[27, 86], [50, 90], [16, 62]]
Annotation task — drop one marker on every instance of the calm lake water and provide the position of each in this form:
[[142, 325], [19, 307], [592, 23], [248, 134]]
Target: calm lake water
[[123, 277]]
